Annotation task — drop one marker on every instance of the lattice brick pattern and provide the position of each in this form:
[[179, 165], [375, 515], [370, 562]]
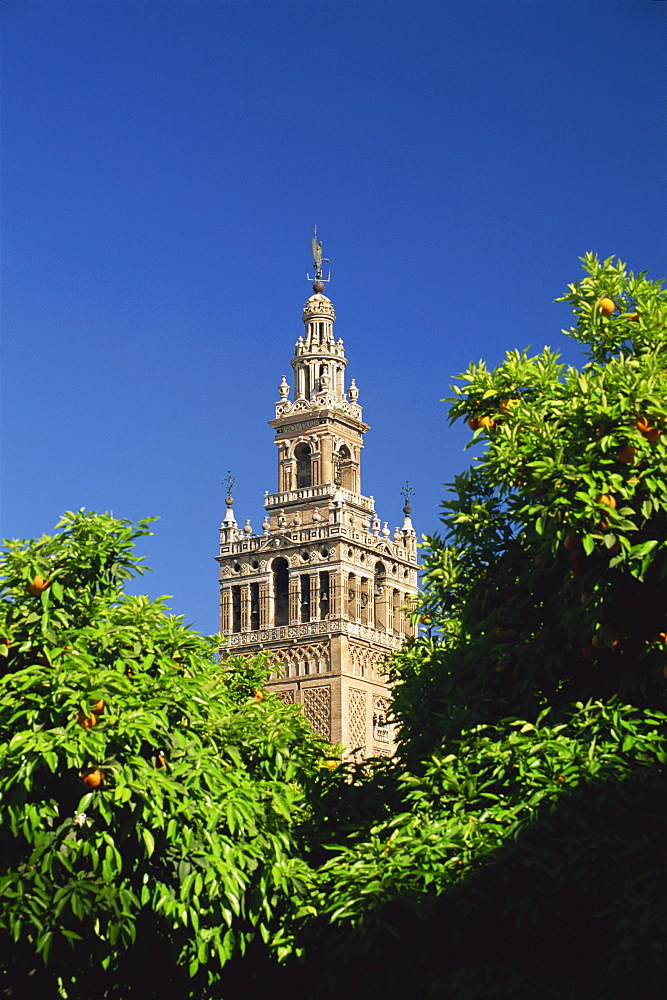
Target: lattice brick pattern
[[286, 696], [317, 708], [357, 721], [366, 662], [304, 659]]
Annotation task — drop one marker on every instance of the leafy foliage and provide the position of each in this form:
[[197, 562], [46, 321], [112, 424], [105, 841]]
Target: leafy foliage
[[525, 862], [149, 799], [550, 585], [515, 848], [525, 834]]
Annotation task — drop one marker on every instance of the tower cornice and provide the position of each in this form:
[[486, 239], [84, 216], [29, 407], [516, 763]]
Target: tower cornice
[[318, 418]]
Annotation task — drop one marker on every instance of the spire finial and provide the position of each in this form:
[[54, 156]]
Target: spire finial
[[228, 483], [318, 260], [406, 493]]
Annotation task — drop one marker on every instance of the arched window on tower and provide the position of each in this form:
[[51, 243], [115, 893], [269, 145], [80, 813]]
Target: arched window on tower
[[303, 467], [280, 592], [380, 596], [324, 595], [236, 609], [351, 596], [347, 474]]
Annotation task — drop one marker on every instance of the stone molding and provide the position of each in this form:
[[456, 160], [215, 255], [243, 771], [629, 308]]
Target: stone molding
[[327, 627]]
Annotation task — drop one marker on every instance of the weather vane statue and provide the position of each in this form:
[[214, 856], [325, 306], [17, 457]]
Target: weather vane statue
[[406, 493], [318, 260], [228, 483]]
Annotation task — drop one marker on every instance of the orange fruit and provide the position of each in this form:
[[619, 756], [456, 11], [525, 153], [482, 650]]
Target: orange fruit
[[92, 778], [331, 765], [606, 306], [425, 619], [634, 316], [260, 695], [608, 500], [38, 585], [98, 707], [661, 637], [161, 761], [571, 542], [506, 406], [597, 641], [87, 721], [627, 455], [487, 423], [650, 432], [473, 423]]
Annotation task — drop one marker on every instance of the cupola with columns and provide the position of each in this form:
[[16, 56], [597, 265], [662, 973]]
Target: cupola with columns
[[325, 587]]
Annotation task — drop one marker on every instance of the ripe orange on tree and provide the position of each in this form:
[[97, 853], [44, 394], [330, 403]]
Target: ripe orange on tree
[[627, 454], [606, 306], [487, 423], [86, 721], [92, 778], [473, 423], [650, 432], [38, 585], [607, 500], [506, 405]]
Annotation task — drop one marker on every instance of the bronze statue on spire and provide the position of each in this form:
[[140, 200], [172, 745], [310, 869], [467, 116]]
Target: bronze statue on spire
[[318, 260]]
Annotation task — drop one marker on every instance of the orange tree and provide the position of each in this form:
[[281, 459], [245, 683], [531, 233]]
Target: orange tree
[[551, 584], [519, 851], [149, 799]]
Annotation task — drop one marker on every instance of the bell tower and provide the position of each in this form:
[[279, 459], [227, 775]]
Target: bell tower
[[325, 588]]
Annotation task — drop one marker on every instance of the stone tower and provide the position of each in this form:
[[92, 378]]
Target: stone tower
[[325, 588]]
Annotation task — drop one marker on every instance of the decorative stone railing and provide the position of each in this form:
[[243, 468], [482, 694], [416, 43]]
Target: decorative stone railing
[[309, 533], [390, 641], [273, 500]]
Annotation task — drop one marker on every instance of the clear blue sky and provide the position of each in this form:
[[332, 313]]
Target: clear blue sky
[[163, 166]]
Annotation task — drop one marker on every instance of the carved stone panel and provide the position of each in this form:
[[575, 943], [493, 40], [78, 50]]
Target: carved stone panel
[[317, 708], [366, 662], [357, 722], [285, 696], [304, 659]]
